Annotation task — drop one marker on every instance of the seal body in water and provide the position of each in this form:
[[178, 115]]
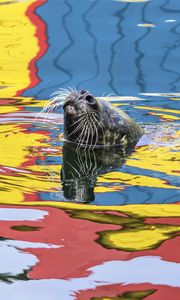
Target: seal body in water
[[90, 122]]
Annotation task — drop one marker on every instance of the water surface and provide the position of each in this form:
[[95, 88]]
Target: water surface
[[123, 243]]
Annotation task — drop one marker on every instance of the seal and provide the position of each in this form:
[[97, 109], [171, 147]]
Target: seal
[[91, 122]]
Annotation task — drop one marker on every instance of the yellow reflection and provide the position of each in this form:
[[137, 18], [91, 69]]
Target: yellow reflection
[[174, 111], [146, 25], [8, 109], [133, 235], [15, 143], [17, 147], [137, 210], [18, 46], [17, 102], [14, 187], [137, 180], [130, 295], [16, 196], [165, 117], [160, 159], [174, 99], [141, 238]]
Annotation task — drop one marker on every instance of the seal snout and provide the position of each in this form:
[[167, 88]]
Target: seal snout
[[70, 110]]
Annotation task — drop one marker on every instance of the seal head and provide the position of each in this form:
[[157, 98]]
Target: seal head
[[90, 122]]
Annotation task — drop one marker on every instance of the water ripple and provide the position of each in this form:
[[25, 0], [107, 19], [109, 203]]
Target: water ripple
[[94, 39], [120, 15]]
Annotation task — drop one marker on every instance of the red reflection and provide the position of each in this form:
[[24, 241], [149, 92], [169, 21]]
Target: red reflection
[[161, 292], [42, 43], [80, 251]]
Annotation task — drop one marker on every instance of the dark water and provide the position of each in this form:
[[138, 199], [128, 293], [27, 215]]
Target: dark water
[[122, 241]]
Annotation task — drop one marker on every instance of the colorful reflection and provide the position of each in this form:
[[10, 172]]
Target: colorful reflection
[[48, 237], [147, 174], [123, 243], [22, 45]]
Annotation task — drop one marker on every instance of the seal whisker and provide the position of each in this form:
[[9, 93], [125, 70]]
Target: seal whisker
[[92, 134], [90, 131], [80, 119], [50, 110], [88, 159], [43, 110], [85, 133], [49, 107], [97, 116], [97, 134], [86, 164], [100, 125], [110, 95], [94, 170], [56, 105], [79, 137], [90, 163], [78, 127], [81, 163], [63, 92], [88, 135], [52, 102], [74, 169], [87, 114], [72, 90], [79, 115]]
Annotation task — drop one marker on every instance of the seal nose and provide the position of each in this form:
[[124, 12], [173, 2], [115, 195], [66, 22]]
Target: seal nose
[[70, 110]]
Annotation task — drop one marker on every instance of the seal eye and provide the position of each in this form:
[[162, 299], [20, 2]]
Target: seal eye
[[90, 99]]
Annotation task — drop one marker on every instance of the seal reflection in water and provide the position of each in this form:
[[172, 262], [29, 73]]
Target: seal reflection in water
[[81, 168]]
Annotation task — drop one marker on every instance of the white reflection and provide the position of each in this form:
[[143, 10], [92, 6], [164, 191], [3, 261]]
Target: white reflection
[[13, 260], [21, 214], [170, 21], [149, 269]]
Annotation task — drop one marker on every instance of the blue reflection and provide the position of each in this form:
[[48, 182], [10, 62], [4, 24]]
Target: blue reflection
[[97, 45]]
